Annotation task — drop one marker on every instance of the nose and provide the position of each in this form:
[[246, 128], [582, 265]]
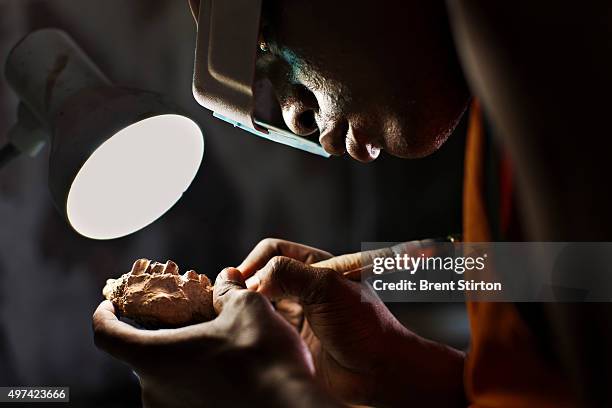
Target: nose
[[332, 138], [299, 107]]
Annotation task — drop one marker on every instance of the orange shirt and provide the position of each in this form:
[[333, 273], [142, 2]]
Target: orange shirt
[[504, 367]]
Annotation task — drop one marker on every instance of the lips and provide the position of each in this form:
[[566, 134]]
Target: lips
[[332, 137], [360, 146]]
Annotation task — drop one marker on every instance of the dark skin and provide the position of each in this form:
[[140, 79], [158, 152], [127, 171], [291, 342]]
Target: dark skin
[[388, 79], [195, 365], [326, 65], [360, 351]]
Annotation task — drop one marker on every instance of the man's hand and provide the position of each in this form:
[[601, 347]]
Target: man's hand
[[268, 248], [248, 355], [360, 351]]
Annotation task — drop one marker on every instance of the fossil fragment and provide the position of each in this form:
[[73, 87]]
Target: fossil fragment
[[155, 295]]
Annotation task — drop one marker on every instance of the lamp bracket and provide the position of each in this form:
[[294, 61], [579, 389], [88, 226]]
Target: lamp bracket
[[28, 135]]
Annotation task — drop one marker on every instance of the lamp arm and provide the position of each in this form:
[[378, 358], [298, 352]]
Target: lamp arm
[[27, 136], [7, 153]]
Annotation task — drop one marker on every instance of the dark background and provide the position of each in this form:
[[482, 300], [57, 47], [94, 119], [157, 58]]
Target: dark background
[[247, 189]]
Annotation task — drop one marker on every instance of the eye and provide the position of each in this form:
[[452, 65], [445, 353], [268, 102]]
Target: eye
[[265, 34], [263, 45]]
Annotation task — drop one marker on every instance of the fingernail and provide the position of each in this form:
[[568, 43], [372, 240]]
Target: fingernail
[[252, 283], [244, 269]]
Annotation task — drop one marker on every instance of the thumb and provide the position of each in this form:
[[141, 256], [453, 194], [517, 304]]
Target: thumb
[[228, 284], [284, 277]]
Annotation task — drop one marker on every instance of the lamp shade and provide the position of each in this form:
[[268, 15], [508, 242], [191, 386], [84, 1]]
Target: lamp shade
[[111, 178], [119, 157]]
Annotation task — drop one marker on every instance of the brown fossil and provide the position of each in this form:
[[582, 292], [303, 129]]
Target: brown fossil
[[154, 295]]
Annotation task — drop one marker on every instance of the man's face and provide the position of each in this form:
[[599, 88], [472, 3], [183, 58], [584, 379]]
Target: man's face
[[367, 75]]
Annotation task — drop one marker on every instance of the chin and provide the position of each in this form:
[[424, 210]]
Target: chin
[[416, 147], [425, 141]]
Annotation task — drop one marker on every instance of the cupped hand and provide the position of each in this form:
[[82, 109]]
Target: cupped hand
[[248, 355]]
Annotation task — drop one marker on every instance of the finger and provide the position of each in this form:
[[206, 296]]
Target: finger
[[283, 277], [117, 338], [271, 247], [229, 282], [143, 348], [291, 311]]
